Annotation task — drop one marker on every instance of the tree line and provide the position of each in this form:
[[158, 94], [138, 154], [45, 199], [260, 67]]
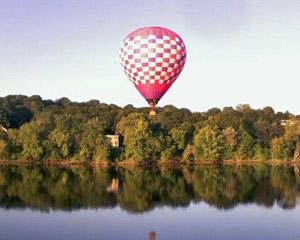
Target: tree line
[[46, 130]]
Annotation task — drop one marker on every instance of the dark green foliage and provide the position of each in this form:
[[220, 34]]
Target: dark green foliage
[[4, 121], [15, 111], [103, 150], [46, 130], [29, 136], [209, 144], [282, 148], [4, 147], [142, 140], [183, 135], [245, 144], [230, 137]]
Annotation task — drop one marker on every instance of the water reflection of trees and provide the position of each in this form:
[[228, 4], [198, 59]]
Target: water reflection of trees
[[142, 189]]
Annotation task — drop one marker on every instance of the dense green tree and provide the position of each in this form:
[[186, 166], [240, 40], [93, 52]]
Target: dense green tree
[[245, 144], [182, 135], [14, 145], [231, 137], [4, 121], [29, 136], [188, 153], [282, 148], [92, 139], [169, 153], [34, 103], [260, 152], [213, 111], [209, 144], [228, 118], [3, 144], [170, 117], [103, 150], [3, 149], [141, 142]]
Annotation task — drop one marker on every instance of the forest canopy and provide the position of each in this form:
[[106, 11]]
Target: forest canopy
[[34, 129]]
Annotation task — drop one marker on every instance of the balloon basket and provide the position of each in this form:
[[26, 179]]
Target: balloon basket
[[152, 112]]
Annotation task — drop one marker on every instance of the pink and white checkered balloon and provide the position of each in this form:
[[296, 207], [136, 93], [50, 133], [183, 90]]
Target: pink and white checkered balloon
[[152, 58]]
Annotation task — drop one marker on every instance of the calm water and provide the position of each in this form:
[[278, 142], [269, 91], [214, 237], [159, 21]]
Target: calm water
[[203, 202]]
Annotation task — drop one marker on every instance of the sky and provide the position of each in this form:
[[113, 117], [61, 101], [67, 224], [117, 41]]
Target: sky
[[238, 51]]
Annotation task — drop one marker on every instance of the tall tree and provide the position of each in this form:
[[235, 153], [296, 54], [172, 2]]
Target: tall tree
[[209, 144]]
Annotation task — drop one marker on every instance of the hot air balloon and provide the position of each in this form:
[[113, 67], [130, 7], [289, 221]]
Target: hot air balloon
[[152, 59]]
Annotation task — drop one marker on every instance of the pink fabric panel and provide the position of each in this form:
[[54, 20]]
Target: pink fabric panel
[[153, 90], [157, 31]]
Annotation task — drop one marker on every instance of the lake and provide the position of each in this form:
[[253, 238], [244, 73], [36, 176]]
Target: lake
[[193, 202]]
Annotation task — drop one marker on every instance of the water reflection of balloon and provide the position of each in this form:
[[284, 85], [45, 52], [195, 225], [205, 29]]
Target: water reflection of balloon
[[152, 58], [152, 235]]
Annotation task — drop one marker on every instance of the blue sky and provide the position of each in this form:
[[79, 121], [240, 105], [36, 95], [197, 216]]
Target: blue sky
[[238, 51]]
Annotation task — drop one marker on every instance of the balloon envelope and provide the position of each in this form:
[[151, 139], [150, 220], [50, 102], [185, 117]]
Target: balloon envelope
[[152, 58]]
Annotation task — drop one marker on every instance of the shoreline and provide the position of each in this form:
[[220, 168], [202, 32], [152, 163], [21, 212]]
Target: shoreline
[[148, 164]]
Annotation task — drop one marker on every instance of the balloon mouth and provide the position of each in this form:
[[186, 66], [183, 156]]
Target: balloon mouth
[[152, 102]]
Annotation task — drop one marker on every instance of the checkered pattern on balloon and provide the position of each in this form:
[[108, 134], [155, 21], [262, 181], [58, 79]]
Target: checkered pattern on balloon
[[152, 58]]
